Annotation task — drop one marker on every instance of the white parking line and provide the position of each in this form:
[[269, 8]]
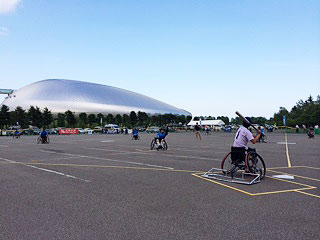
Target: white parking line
[[150, 152], [107, 159], [44, 169]]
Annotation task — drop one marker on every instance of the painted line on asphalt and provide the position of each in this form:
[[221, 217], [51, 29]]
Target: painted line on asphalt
[[308, 178], [287, 151], [43, 169], [107, 159], [281, 143], [309, 194], [150, 152], [106, 166], [295, 167], [221, 184], [305, 186], [282, 191], [3, 146]]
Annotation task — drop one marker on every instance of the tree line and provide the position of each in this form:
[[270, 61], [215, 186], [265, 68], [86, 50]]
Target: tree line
[[303, 113], [34, 116]]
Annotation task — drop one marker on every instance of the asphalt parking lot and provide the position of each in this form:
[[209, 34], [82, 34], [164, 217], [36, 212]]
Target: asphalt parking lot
[[111, 187]]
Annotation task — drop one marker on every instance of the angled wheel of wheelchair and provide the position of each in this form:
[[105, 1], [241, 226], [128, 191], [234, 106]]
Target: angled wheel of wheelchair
[[38, 140], [165, 145], [153, 142], [227, 165], [255, 164]]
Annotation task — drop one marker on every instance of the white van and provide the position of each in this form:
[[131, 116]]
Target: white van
[[112, 128]]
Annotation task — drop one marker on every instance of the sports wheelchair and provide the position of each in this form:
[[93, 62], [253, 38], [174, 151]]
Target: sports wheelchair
[[43, 140], [241, 159], [160, 144]]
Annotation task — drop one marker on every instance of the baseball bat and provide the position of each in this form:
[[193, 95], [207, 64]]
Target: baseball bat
[[244, 119]]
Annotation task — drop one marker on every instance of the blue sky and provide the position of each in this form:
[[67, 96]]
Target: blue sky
[[207, 57]]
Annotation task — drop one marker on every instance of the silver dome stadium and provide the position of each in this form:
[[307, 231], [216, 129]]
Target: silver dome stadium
[[60, 95]]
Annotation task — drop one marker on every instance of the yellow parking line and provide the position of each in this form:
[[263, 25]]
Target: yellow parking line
[[283, 180], [287, 151], [308, 167], [313, 179], [306, 187], [309, 194], [282, 191], [224, 185]]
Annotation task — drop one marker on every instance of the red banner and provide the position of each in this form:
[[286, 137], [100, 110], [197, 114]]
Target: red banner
[[68, 131]]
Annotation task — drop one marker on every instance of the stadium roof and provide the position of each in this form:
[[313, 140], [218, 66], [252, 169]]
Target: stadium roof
[[60, 95]]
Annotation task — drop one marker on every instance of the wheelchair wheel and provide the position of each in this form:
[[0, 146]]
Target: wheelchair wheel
[[153, 142], [38, 140], [265, 139], [255, 164], [227, 165], [165, 145], [48, 140]]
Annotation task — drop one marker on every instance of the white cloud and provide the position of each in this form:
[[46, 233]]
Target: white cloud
[[7, 6], [4, 31]]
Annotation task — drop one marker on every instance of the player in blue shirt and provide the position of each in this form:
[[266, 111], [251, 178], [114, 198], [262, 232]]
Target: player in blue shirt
[[135, 134], [44, 136], [161, 136]]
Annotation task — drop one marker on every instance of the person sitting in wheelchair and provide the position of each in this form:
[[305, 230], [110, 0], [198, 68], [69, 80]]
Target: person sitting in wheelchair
[[161, 136], [241, 140], [311, 132], [135, 134], [44, 136]]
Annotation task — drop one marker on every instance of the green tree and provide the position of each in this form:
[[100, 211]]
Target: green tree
[[118, 119], [70, 118], [100, 118], [19, 116], [91, 119], [61, 120], [225, 119], [83, 120], [143, 118], [35, 116], [110, 118], [47, 117], [4, 116], [133, 118], [188, 118], [125, 120]]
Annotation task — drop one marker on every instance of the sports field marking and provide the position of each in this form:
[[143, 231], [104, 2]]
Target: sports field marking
[[3, 146], [285, 143], [309, 194], [305, 186], [155, 152], [287, 151], [106, 166], [44, 169], [105, 159], [224, 185], [281, 191], [308, 178], [294, 167]]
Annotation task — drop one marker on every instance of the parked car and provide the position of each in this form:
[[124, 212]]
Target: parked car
[[141, 129], [152, 129], [81, 130], [88, 130], [111, 128], [98, 129]]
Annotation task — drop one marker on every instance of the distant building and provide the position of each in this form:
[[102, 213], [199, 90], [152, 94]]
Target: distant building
[[213, 124], [60, 95]]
